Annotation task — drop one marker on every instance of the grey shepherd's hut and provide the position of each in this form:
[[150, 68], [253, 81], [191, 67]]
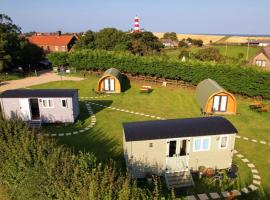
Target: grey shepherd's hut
[[175, 147], [41, 105]]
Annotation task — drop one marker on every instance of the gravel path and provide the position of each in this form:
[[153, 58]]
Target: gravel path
[[29, 81]]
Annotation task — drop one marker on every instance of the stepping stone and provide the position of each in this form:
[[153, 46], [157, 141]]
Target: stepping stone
[[252, 187], [75, 132], [245, 190], [250, 165], [191, 197], [239, 155], [46, 135], [53, 135], [61, 134], [245, 160], [153, 116], [214, 195], [142, 114], [245, 138], [262, 142], [131, 112], [237, 136], [236, 192], [163, 119], [158, 118], [203, 197], [81, 131], [147, 115], [254, 171], [68, 133], [86, 129], [235, 151], [256, 177], [254, 140], [255, 182], [225, 194]]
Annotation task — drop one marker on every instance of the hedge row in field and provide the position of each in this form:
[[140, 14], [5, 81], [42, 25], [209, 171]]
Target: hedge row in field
[[242, 80]]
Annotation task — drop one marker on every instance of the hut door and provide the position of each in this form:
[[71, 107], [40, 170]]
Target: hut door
[[111, 84], [25, 109], [223, 103], [106, 84], [220, 103]]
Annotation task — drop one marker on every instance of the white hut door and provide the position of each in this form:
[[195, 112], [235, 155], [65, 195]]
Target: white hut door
[[106, 84], [216, 103], [25, 109], [223, 104], [111, 84]]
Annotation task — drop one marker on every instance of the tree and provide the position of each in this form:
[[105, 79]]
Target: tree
[[170, 35], [58, 59], [144, 43], [87, 40], [208, 54], [108, 38], [182, 43], [198, 43], [9, 42]]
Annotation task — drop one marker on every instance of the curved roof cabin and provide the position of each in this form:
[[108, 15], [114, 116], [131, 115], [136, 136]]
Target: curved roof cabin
[[212, 98], [110, 82]]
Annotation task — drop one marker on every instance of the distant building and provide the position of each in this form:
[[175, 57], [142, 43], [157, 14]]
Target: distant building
[[260, 43], [169, 43], [53, 42], [262, 59]]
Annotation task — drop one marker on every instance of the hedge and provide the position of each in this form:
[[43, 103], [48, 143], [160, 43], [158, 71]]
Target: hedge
[[237, 79]]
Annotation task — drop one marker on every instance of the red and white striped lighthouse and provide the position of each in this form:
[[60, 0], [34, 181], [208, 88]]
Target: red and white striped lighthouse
[[136, 27]]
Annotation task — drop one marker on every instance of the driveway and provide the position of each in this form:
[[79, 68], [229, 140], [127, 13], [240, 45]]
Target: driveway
[[29, 81]]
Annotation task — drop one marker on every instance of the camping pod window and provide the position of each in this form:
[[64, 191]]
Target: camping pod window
[[201, 144], [223, 142], [172, 148], [47, 103], [64, 103], [220, 103]]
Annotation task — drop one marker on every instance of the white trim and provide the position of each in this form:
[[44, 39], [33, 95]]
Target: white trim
[[47, 99], [227, 142], [61, 100], [201, 144]]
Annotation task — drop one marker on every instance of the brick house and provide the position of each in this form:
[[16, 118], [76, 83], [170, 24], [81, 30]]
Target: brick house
[[53, 43]]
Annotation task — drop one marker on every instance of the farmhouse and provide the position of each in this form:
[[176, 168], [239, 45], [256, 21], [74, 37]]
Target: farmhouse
[[176, 147], [262, 59], [213, 99], [42, 105], [169, 43], [54, 43], [110, 82]]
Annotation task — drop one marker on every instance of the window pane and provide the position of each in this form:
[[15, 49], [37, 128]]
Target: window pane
[[172, 148], [50, 103], [198, 144], [205, 144], [223, 142], [44, 103], [64, 103]]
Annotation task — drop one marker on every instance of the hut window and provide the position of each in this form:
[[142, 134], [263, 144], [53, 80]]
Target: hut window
[[47, 103], [220, 103], [172, 148], [150, 144], [201, 144], [64, 103], [223, 142]]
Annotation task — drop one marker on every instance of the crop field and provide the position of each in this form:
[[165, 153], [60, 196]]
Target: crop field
[[105, 138]]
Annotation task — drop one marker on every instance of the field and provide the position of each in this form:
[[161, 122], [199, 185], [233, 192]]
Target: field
[[232, 51], [105, 139]]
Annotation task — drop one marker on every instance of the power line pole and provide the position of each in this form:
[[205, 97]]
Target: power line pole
[[226, 49]]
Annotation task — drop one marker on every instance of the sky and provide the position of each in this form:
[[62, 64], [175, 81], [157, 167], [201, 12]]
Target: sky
[[181, 16]]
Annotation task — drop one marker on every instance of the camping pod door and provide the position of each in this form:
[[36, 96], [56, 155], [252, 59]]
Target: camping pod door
[[109, 85], [177, 154]]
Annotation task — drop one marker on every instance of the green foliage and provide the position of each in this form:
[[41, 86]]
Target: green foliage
[[86, 40], [170, 35], [208, 54], [58, 59], [238, 79], [182, 43], [34, 167], [184, 53]]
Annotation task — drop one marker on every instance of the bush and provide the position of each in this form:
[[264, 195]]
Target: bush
[[238, 79], [208, 54]]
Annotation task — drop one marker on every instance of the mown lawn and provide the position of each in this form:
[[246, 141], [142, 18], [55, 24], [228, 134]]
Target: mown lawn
[[232, 51], [105, 139]]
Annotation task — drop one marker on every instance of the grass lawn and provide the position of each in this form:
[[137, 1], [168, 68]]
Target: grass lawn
[[232, 51], [105, 139]]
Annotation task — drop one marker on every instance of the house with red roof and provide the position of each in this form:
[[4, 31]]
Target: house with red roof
[[53, 43]]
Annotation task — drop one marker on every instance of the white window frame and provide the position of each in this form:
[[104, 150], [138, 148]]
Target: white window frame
[[201, 145], [220, 139], [62, 103], [47, 103]]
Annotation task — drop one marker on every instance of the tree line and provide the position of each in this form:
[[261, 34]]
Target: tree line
[[139, 43], [235, 78], [16, 50]]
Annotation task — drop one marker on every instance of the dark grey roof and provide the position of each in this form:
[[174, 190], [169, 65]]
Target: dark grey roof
[[38, 93], [177, 128], [113, 72]]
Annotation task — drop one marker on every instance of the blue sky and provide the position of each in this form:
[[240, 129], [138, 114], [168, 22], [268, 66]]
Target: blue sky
[[182, 16]]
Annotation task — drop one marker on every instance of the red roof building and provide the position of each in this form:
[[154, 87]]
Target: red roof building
[[54, 43]]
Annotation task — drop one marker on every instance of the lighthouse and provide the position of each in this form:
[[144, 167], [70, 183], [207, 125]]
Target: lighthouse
[[136, 27]]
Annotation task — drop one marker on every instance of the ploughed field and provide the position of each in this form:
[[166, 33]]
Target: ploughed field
[[105, 138]]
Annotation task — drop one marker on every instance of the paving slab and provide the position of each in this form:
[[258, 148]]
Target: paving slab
[[245, 160], [254, 171], [214, 195], [250, 165], [203, 196], [255, 182], [225, 194], [255, 176], [252, 187], [239, 155], [245, 190], [192, 197]]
